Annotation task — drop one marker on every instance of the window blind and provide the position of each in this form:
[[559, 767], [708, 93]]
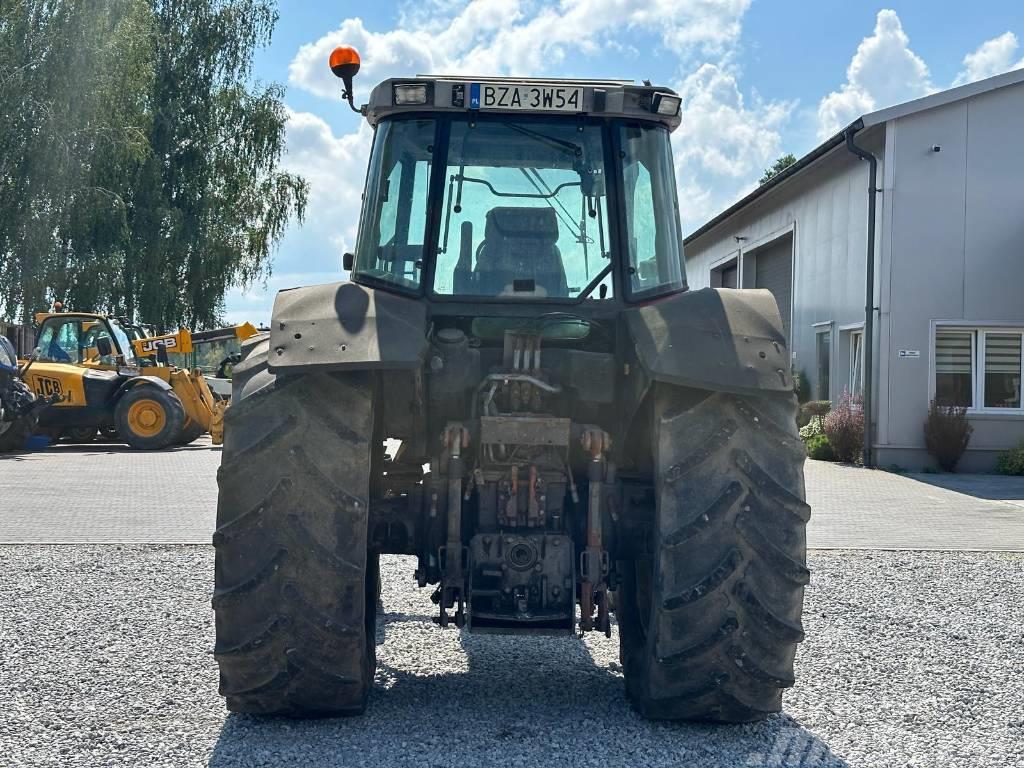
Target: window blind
[[953, 352], [1002, 353]]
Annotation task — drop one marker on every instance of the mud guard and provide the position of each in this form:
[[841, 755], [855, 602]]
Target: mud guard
[[720, 339], [138, 381], [345, 326]]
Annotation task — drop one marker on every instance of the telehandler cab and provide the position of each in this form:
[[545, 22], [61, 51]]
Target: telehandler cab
[[517, 316]]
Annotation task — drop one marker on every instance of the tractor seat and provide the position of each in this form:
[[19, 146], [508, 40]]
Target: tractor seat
[[519, 255]]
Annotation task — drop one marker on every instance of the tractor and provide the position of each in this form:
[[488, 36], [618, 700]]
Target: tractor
[[19, 405], [515, 387]]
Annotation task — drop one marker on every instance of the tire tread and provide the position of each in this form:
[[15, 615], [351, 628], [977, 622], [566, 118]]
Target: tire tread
[[293, 634], [728, 566]]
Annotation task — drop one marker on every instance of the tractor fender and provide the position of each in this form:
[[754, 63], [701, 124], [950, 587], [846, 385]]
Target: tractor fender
[[718, 339], [346, 326]]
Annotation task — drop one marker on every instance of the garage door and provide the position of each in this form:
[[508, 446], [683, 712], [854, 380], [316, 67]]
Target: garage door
[[729, 276], [774, 270]]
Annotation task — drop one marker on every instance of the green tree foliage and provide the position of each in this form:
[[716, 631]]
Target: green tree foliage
[[141, 172], [73, 89], [777, 167]]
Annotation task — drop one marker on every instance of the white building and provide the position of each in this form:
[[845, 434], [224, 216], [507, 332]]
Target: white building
[[947, 262]]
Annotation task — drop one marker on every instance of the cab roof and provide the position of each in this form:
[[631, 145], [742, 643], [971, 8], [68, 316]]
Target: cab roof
[[41, 317], [556, 97]]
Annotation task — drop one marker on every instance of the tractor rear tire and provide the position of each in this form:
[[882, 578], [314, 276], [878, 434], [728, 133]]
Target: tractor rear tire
[[296, 589], [15, 433], [710, 622], [149, 418]]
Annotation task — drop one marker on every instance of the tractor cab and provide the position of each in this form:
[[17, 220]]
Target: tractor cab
[[521, 190]]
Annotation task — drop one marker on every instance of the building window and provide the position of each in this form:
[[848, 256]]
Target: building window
[[856, 383], [978, 368], [954, 368], [823, 350], [1002, 370]]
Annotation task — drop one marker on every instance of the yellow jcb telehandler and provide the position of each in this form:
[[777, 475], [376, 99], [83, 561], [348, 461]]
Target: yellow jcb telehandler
[[109, 382]]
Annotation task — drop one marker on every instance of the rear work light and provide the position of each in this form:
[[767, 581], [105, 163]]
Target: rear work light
[[404, 95], [666, 105]]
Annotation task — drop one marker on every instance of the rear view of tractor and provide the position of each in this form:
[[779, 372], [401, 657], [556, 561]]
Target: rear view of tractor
[[598, 439]]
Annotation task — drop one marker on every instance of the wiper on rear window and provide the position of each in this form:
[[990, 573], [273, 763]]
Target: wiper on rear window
[[562, 144], [566, 220]]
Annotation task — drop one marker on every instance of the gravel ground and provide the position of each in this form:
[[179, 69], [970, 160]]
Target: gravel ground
[[912, 659]]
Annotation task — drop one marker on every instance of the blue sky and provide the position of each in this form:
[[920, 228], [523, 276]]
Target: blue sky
[[758, 78]]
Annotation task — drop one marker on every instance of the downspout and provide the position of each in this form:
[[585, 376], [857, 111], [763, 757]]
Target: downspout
[[869, 300]]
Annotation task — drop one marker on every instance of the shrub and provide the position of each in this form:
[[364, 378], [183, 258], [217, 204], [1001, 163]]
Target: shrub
[[844, 426], [816, 441], [809, 410], [819, 448], [946, 434], [1011, 462], [813, 428]]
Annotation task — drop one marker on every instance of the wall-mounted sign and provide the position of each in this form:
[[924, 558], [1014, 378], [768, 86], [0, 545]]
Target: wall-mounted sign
[[910, 354]]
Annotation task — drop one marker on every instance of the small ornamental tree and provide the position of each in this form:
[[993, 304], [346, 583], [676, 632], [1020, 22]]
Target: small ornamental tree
[[946, 434], [844, 426]]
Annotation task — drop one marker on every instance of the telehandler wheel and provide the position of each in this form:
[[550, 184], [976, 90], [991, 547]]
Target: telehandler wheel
[[80, 434], [296, 590], [710, 623], [190, 432], [149, 418]]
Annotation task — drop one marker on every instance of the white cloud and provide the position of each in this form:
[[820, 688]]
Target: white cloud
[[720, 133], [513, 37], [993, 57], [883, 71], [335, 168], [384, 55], [723, 143]]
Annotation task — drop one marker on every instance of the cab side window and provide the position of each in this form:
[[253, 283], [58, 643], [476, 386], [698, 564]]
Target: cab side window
[[652, 211], [93, 339], [58, 342], [394, 220]]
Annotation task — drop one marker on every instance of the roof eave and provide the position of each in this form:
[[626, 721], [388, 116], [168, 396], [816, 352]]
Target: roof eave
[[869, 120]]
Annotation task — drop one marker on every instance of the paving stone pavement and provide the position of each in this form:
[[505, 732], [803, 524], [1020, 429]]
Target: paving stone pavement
[[109, 494], [105, 494], [857, 508]]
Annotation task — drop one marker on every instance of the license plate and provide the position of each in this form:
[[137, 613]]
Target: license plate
[[534, 98]]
